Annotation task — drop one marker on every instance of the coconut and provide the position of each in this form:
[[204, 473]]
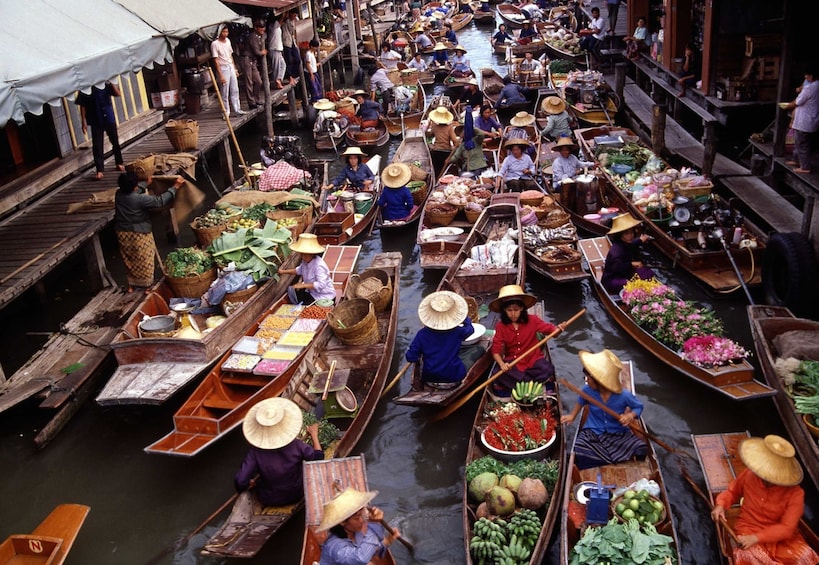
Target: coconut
[[532, 494], [482, 484], [500, 501], [512, 482], [483, 511]]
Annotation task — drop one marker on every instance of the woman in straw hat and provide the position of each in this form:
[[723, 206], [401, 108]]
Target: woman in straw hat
[[356, 173], [566, 165], [440, 125], [558, 122], [316, 281], [355, 533], [395, 202], [623, 259], [460, 64], [772, 504], [516, 166], [437, 345], [276, 455], [469, 154], [515, 334], [440, 57], [604, 440]]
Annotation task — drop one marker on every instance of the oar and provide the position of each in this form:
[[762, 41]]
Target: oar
[[707, 500], [396, 535], [453, 407], [329, 378], [395, 379]]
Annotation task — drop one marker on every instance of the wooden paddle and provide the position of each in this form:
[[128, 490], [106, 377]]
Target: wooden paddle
[[396, 535], [707, 500], [395, 379], [453, 407]]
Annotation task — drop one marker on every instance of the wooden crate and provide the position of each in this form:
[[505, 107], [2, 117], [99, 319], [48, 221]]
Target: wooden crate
[[333, 223], [767, 68], [756, 45]]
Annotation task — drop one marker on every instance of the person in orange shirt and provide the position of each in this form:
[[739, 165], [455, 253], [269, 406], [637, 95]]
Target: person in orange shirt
[[772, 505]]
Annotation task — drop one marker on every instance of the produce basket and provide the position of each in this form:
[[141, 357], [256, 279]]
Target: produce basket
[[206, 236], [373, 285], [418, 173], [354, 322], [409, 77], [193, 286], [419, 191], [183, 135], [472, 215], [240, 296], [142, 167], [554, 219], [440, 214], [682, 186], [533, 202]]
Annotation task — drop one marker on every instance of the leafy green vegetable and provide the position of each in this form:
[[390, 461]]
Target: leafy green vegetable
[[561, 66], [258, 212], [259, 252], [546, 471], [808, 374], [623, 544], [187, 261], [327, 432]]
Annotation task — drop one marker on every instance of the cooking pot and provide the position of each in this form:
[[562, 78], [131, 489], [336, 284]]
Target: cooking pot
[[158, 324]]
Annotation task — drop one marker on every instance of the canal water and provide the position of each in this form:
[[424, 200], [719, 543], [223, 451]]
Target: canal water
[[143, 505]]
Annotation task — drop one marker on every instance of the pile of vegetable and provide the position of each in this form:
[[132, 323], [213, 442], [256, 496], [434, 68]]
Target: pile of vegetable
[[801, 381], [327, 432], [639, 506], [623, 544], [505, 542], [258, 251], [546, 471], [212, 218], [258, 212], [561, 66], [187, 261]]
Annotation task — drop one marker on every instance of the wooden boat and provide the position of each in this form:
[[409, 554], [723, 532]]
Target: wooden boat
[[327, 141], [368, 140], [363, 370], [558, 12], [511, 15], [711, 265], [398, 122], [556, 259], [480, 16], [491, 84], [323, 480], [589, 98], [556, 41], [480, 286], [413, 150], [50, 542], [736, 380], [620, 475], [767, 323], [221, 401], [536, 46], [556, 452], [337, 227], [719, 459]]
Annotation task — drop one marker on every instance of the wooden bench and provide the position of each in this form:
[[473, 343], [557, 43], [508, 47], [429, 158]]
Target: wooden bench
[[667, 80]]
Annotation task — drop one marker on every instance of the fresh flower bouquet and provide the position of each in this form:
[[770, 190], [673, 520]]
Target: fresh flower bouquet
[[711, 350], [512, 429]]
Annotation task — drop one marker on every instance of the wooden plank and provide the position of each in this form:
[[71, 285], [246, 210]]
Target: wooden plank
[[147, 383], [64, 522]]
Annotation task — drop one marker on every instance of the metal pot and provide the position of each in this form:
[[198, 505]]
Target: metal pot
[[158, 324]]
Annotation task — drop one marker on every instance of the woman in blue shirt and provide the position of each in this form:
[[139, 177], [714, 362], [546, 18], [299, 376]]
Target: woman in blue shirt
[[356, 173], [396, 199], [449, 34], [440, 57], [604, 440]]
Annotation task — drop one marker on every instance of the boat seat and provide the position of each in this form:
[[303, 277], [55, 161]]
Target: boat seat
[[219, 403]]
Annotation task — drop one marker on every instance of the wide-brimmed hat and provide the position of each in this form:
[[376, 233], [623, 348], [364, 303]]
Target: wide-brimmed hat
[[442, 310], [396, 175], [324, 104], [565, 142], [553, 105], [473, 81], [438, 15], [355, 150], [524, 143], [522, 119], [622, 223], [307, 243], [272, 423], [359, 92], [417, 27], [511, 293], [771, 459], [460, 48], [604, 368], [441, 115], [343, 506], [439, 47]]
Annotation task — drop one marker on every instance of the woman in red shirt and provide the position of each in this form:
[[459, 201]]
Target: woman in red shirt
[[516, 333]]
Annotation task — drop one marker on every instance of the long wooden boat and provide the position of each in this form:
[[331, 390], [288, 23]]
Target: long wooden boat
[[735, 380], [767, 323], [555, 453], [480, 16], [50, 542], [461, 20], [334, 227], [621, 475], [555, 43], [221, 401], [368, 140], [481, 286], [718, 455], [491, 84], [711, 265], [413, 150], [363, 370], [326, 141], [398, 122], [536, 46], [556, 259], [323, 480], [511, 15]]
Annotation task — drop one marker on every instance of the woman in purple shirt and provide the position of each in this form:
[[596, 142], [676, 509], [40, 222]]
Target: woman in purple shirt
[[316, 281]]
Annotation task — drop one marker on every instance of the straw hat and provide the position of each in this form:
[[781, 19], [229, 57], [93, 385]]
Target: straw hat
[[510, 293], [522, 119], [622, 223], [553, 105], [473, 81], [524, 143], [565, 142], [442, 310], [359, 93], [439, 47], [417, 27], [441, 115], [353, 151], [438, 15], [272, 423], [771, 459], [324, 104], [460, 48], [604, 368], [343, 506], [396, 175], [307, 243]]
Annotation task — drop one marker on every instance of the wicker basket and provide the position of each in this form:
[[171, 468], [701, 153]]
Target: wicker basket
[[409, 77], [193, 286], [142, 167], [354, 322], [419, 195], [682, 187], [472, 215], [373, 285], [183, 135], [232, 299], [533, 202], [554, 220], [205, 236], [440, 214], [418, 173]]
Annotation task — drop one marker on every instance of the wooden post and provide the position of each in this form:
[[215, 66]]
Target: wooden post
[[98, 275], [620, 80], [268, 104], [658, 112], [709, 147], [352, 35], [226, 162]]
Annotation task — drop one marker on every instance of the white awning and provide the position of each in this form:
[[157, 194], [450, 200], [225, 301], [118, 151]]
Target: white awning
[[177, 19]]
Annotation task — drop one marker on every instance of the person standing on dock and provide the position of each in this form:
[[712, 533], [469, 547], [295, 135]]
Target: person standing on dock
[[311, 67], [222, 52], [97, 111], [275, 48], [292, 57], [805, 121], [613, 7]]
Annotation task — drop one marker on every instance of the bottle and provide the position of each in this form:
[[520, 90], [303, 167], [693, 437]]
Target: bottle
[[701, 241]]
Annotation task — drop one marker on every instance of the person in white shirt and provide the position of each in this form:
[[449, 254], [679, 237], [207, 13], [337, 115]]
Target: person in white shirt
[[388, 57], [418, 63], [222, 52], [595, 33], [531, 66], [380, 83], [275, 48], [311, 66]]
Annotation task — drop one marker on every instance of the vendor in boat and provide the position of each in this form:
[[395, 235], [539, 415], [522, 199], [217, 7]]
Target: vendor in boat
[[516, 166], [316, 280], [440, 57], [772, 505], [520, 122], [502, 37], [356, 536], [515, 334], [511, 94], [623, 259], [388, 57], [449, 33], [566, 165], [381, 85], [487, 123], [368, 110], [460, 64], [418, 63], [272, 427], [603, 439], [471, 96], [266, 150], [356, 173], [530, 68], [440, 125], [557, 118], [437, 345], [395, 201], [422, 40], [528, 30], [469, 154], [531, 10]]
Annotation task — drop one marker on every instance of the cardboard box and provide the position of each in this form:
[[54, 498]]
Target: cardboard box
[[165, 99]]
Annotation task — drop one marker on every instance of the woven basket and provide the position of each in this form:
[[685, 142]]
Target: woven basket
[[193, 286], [554, 220], [238, 297], [205, 236], [471, 308], [472, 215], [354, 322], [373, 285], [304, 217], [440, 214], [682, 187], [418, 173], [419, 195], [142, 167], [184, 136], [533, 202], [409, 77]]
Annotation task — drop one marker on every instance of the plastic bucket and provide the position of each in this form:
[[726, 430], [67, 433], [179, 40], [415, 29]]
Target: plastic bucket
[[363, 203]]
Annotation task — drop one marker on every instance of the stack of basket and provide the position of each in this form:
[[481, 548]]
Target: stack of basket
[[373, 285]]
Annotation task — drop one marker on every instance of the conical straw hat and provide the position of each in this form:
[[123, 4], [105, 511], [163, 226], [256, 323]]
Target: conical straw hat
[[343, 506], [324, 104], [307, 243], [522, 119], [622, 223], [553, 105], [272, 423], [441, 115], [396, 175], [604, 368], [442, 310], [771, 459]]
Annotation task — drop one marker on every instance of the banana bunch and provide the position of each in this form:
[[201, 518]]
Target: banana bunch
[[527, 391], [489, 537], [525, 527], [515, 553]]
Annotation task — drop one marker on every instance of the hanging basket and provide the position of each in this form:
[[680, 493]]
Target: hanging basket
[[354, 322], [183, 135], [373, 285], [193, 286]]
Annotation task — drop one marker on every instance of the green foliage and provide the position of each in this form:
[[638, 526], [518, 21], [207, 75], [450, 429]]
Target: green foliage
[[561, 66], [258, 212], [259, 252], [546, 471], [327, 432], [187, 261], [623, 544]]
